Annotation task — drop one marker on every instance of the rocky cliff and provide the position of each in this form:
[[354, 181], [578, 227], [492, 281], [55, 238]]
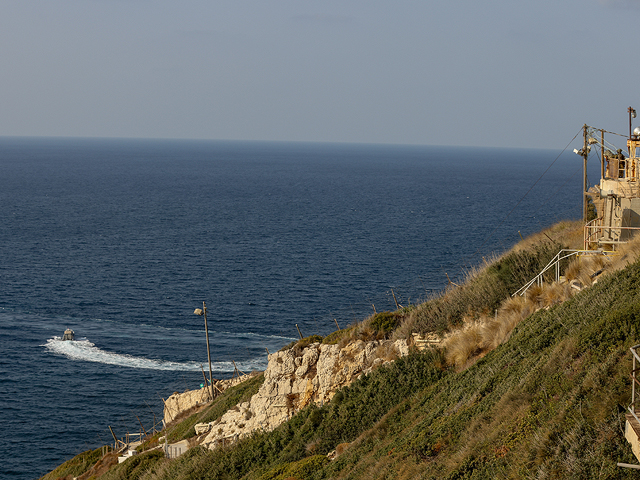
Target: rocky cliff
[[182, 402], [295, 378]]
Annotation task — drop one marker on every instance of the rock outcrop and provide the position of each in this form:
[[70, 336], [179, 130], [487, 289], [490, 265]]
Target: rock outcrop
[[181, 402], [295, 378]]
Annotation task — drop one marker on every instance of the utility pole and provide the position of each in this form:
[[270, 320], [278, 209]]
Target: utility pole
[[206, 329], [602, 153], [585, 154]]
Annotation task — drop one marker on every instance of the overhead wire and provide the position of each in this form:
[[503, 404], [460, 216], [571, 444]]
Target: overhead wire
[[401, 289], [465, 261]]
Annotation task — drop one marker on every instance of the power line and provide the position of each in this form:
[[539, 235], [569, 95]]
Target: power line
[[520, 201]]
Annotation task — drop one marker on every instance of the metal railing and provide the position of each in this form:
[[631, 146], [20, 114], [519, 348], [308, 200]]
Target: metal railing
[[596, 233], [555, 264]]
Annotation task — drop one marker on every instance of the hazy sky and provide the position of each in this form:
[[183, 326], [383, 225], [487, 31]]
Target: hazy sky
[[455, 72]]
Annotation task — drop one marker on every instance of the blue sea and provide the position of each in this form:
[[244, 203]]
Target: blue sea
[[120, 240]]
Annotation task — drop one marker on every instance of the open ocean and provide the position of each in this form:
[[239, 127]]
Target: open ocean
[[120, 240]]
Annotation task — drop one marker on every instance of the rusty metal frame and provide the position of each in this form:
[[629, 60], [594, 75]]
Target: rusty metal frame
[[595, 227]]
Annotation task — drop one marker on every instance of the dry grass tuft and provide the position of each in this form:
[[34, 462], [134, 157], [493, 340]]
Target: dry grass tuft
[[554, 294], [513, 305], [463, 344], [569, 233], [386, 352], [482, 335], [626, 255], [572, 271], [534, 295]]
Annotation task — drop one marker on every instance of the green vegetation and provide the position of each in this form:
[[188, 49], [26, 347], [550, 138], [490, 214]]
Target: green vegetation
[[76, 466], [337, 336], [483, 291], [384, 323], [544, 404], [301, 469], [137, 467], [229, 398]]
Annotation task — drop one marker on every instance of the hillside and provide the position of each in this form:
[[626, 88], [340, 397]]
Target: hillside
[[543, 400]]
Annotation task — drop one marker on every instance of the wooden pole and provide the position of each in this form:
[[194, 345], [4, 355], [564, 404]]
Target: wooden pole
[[114, 437], [394, 299], [237, 370], [141, 426], [336, 323], [299, 331], [205, 378], [216, 387], [633, 386], [450, 282]]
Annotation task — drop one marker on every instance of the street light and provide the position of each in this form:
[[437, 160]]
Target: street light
[[201, 312]]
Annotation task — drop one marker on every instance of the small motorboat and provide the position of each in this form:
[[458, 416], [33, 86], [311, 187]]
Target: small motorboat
[[68, 335]]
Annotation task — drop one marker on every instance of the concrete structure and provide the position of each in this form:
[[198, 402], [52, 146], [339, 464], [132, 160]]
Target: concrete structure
[[632, 434], [174, 450], [632, 421], [617, 196]]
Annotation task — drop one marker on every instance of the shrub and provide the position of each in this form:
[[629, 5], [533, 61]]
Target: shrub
[[335, 337], [385, 322], [301, 469], [76, 466]]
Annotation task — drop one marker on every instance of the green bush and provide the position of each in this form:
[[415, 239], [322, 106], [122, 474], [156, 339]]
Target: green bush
[[298, 345], [335, 337], [385, 322], [77, 465], [135, 467], [301, 469]]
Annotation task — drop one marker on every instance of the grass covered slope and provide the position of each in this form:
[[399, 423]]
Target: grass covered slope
[[544, 402]]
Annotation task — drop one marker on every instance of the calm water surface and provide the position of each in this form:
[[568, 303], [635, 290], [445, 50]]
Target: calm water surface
[[121, 239]]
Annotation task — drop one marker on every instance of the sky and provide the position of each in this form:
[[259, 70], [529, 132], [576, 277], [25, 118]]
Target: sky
[[499, 73]]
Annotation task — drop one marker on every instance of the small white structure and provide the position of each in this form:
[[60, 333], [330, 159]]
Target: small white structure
[[127, 454], [174, 450]]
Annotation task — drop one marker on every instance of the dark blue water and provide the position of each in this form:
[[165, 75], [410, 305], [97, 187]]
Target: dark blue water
[[121, 239]]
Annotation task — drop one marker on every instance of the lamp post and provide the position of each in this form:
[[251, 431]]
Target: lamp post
[[200, 312]]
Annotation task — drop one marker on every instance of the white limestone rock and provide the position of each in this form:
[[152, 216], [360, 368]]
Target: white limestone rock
[[293, 381]]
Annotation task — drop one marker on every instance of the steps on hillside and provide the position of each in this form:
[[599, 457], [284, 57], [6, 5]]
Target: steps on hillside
[[422, 342]]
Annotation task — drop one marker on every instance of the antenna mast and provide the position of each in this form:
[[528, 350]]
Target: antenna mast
[[585, 154]]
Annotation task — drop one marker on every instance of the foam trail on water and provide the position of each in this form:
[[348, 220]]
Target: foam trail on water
[[87, 351]]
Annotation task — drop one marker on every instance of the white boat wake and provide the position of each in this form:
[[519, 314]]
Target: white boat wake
[[85, 350]]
